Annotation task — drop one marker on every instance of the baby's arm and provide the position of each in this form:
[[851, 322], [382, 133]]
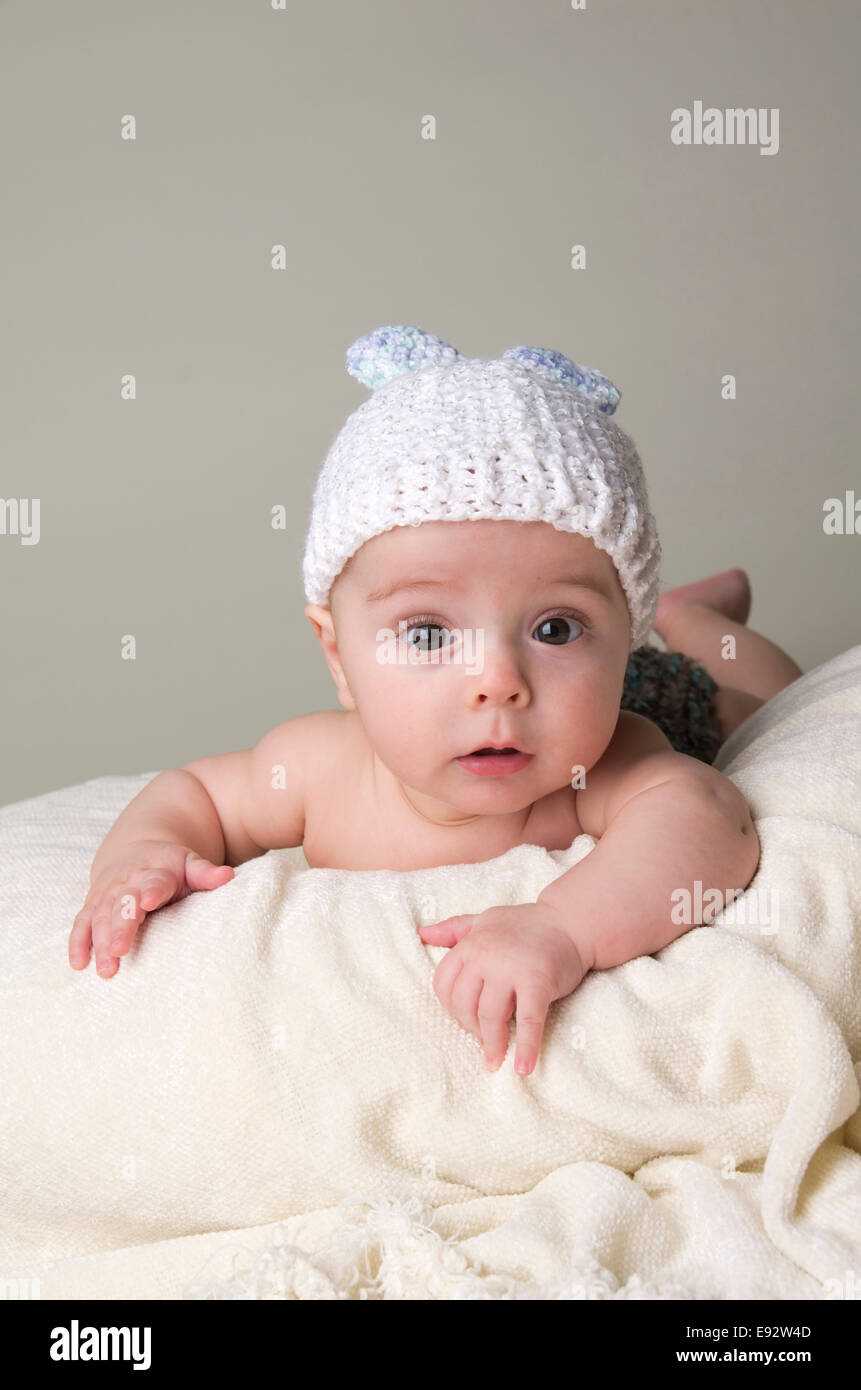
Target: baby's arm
[[185, 831], [662, 821]]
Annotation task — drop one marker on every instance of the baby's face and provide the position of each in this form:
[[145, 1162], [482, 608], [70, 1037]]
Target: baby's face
[[452, 635]]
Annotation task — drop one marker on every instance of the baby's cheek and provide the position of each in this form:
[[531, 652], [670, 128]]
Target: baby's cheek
[[588, 726]]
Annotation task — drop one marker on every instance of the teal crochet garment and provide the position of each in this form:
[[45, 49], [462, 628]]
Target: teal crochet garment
[[676, 694]]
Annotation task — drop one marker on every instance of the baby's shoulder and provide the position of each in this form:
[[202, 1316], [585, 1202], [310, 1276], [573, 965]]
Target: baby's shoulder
[[318, 740], [304, 751], [291, 766], [638, 744]]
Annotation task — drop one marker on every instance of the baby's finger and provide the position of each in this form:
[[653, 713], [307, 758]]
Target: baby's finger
[[532, 1004], [495, 1008], [447, 932], [106, 964], [444, 977], [158, 887], [80, 938], [126, 917], [464, 1000], [201, 873]]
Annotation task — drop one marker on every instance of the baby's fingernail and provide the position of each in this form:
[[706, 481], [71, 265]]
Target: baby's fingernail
[[493, 1064], [521, 1067]]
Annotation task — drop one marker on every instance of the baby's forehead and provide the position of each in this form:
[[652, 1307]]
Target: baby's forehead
[[462, 552], [466, 543]]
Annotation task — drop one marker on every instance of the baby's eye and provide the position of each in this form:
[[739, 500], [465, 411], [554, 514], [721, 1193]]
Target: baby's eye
[[425, 636], [553, 629]]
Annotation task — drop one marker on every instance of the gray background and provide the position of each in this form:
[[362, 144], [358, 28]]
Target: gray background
[[303, 127]]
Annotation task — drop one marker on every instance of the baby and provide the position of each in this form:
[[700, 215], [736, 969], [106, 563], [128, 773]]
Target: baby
[[482, 574]]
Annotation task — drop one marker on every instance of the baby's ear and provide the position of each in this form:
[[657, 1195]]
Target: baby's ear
[[320, 619]]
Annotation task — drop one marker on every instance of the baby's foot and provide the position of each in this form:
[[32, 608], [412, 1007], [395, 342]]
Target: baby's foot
[[727, 592]]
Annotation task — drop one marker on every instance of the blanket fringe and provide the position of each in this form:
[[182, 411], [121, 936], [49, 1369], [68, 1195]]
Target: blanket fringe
[[383, 1249]]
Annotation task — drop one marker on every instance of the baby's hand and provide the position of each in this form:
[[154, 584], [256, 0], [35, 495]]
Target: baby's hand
[[149, 874], [503, 958]]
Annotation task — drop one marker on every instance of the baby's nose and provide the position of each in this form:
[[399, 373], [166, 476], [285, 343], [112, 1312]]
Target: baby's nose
[[500, 683]]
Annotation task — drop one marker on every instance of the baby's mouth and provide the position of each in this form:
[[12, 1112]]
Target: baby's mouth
[[487, 761], [494, 762], [479, 752]]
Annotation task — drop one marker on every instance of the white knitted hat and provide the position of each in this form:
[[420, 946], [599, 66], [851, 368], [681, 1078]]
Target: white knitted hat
[[523, 437]]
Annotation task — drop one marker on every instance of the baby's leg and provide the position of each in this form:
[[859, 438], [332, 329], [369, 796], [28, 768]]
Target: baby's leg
[[696, 618]]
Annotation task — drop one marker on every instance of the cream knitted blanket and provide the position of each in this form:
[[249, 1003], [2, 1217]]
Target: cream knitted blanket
[[268, 1100]]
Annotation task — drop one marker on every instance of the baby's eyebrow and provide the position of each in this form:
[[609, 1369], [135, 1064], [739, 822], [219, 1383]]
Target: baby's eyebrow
[[597, 583], [578, 581], [399, 586]]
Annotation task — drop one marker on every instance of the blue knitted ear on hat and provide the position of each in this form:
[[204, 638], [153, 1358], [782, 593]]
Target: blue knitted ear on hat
[[379, 357], [555, 367], [387, 353]]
